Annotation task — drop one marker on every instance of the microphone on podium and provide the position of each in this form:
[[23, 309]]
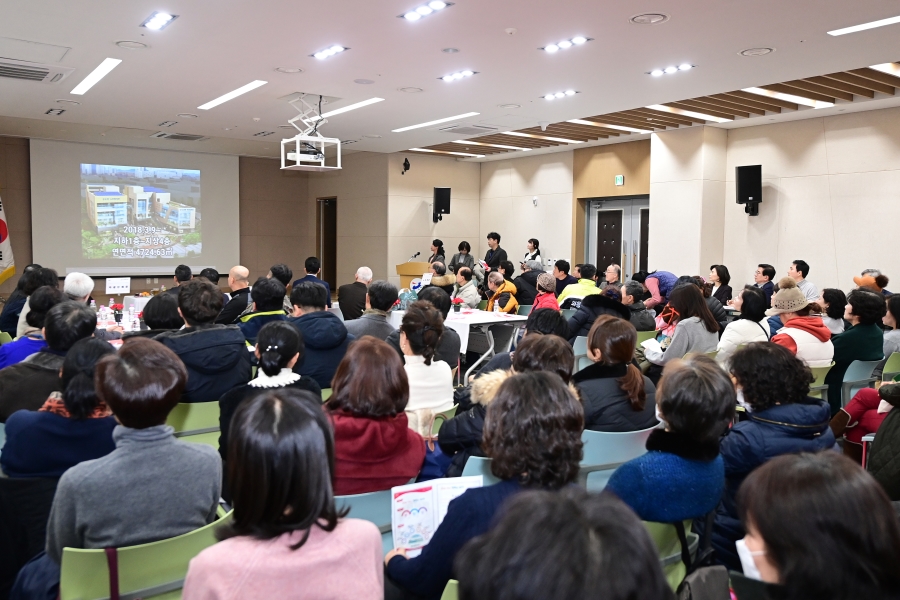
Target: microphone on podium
[[413, 256]]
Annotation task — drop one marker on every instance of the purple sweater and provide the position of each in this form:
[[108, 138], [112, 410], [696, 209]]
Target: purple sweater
[[17, 351]]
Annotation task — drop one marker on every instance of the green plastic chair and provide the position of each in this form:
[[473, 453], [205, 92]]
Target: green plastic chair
[[605, 451], [568, 313], [891, 367], [818, 388], [149, 570], [374, 507], [5, 338], [643, 336], [477, 465], [451, 592], [196, 422], [326, 394], [441, 417], [857, 377], [482, 305], [665, 536], [581, 358], [524, 309]]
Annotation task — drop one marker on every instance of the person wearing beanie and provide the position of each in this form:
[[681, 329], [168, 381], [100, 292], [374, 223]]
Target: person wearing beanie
[[546, 292], [774, 322], [804, 335]]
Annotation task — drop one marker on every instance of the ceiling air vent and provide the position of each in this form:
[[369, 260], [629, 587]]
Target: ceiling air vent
[[31, 71], [469, 129], [263, 133], [179, 137]]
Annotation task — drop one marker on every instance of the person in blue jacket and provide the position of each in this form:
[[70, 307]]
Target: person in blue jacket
[[312, 266], [325, 338], [658, 284]]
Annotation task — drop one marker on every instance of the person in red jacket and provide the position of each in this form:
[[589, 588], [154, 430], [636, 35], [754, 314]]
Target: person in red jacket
[[805, 336], [374, 448], [546, 288]]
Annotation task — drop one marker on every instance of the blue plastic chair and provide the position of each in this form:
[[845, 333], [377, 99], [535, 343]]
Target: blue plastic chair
[[477, 465], [581, 358], [605, 451], [374, 507], [857, 377]]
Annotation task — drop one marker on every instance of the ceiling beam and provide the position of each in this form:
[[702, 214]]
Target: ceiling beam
[[765, 99], [623, 121], [811, 91], [872, 84], [586, 130], [705, 111], [643, 118], [667, 116], [729, 105], [842, 86], [710, 105], [548, 133], [746, 104], [521, 141]]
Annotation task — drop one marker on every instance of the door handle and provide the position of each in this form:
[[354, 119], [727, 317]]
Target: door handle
[[634, 257]]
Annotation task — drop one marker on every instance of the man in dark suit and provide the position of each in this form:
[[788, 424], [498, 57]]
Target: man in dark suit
[[495, 255], [312, 266], [182, 274], [352, 296]]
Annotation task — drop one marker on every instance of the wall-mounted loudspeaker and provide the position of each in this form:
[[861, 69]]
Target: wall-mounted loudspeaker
[[441, 203], [748, 182]]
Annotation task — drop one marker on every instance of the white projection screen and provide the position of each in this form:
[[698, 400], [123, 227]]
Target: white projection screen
[[117, 211]]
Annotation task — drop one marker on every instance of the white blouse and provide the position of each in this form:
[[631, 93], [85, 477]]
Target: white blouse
[[430, 386]]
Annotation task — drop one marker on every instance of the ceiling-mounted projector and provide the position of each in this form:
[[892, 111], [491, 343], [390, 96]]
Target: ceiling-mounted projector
[[306, 150]]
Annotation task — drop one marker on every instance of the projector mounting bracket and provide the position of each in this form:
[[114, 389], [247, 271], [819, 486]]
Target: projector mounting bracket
[[306, 150]]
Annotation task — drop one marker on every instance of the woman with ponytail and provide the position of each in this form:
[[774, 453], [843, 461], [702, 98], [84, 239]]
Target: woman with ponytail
[[279, 346], [72, 426], [430, 381], [616, 395]]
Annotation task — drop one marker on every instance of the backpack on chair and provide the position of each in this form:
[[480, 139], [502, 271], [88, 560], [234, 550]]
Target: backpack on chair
[[704, 580]]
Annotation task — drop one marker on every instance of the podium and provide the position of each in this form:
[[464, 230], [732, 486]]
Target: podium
[[410, 270]]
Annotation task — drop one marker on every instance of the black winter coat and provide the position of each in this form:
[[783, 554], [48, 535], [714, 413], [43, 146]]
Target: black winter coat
[[526, 286], [592, 307], [606, 407], [718, 311], [461, 436], [884, 461]]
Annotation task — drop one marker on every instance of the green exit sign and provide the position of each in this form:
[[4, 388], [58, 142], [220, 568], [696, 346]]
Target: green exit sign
[[620, 180]]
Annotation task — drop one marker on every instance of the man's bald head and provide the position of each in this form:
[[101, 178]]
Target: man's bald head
[[238, 277]]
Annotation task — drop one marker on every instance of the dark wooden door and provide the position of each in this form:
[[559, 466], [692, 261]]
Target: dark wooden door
[[326, 239], [609, 239], [645, 237]]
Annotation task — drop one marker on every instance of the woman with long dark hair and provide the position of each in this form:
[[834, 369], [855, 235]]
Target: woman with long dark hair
[[437, 251], [749, 326], [430, 380], [720, 278], [534, 251]]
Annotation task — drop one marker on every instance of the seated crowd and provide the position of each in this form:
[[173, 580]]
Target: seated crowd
[[317, 403]]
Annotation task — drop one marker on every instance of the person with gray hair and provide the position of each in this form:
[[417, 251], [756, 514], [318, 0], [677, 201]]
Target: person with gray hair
[[641, 318], [380, 298], [611, 278], [441, 278], [526, 283], [78, 287], [874, 273], [352, 296]]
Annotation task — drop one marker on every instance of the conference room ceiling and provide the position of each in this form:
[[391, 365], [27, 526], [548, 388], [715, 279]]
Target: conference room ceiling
[[213, 48]]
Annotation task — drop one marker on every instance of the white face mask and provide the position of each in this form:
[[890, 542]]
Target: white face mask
[[748, 564]]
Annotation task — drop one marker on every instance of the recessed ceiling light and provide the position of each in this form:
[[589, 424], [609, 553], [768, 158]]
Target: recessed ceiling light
[[363, 81], [789, 97], [187, 115], [339, 111], [131, 45], [330, 51], [411, 90], [541, 137], [685, 67], [450, 50], [458, 75], [864, 26], [657, 72], [435, 122], [446, 152], [649, 19], [424, 10], [372, 136], [68, 102], [557, 95], [289, 70], [96, 75], [564, 44], [756, 51], [508, 106], [671, 69], [158, 21], [232, 94]]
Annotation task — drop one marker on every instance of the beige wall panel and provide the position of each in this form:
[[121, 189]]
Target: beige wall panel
[[863, 142], [791, 149]]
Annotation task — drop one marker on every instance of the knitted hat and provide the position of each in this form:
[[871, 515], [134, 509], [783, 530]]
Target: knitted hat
[[872, 283], [533, 265], [786, 282], [787, 301], [546, 283]]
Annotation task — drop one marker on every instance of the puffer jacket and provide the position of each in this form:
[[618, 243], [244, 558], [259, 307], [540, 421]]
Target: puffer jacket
[[884, 460], [526, 287], [591, 308], [325, 341], [641, 318], [781, 429], [505, 297], [718, 311], [808, 339], [216, 358], [461, 435], [606, 406]]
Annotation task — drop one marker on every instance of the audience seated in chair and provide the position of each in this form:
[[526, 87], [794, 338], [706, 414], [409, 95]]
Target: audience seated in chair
[[448, 346], [526, 283], [28, 384], [78, 287], [532, 433], [575, 545], [160, 314], [616, 395], [682, 475], [268, 297], [39, 278], [803, 334], [215, 356], [325, 338], [572, 295], [42, 300], [562, 276], [466, 287], [462, 435], [594, 306], [379, 299], [502, 294], [12, 308], [352, 296], [807, 518], [373, 445], [71, 427], [749, 326], [278, 348], [772, 385], [639, 315], [284, 274], [545, 296], [152, 486], [288, 539], [312, 267], [440, 278], [239, 283], [833, 302], [543, 321]]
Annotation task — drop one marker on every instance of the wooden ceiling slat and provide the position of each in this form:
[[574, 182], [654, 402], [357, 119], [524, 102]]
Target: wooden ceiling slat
[[521, 142], [473, 149], [714, 113], [787, 89], [706, 108], [878, 76], [841, 86], [667, 116], [575, 129], [822, 93], [542, 133], [623, 121], [538, 143], [729, 105], [594, 129], [746, 103], [863, 82], [657, 122], [764, 99]]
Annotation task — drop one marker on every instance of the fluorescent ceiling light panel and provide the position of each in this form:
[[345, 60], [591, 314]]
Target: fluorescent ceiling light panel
[[565, 44], [454, 118], [338, 111], [688, 113], [789, 97], [542, 137], [96, 75], [606, 126], [864, 26], [490, 145], [445, 152], [889, 68], [158, 21], [233, 94], [425, 10]]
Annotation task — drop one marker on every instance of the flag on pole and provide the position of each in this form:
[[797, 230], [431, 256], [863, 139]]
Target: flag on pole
[[7, 264]]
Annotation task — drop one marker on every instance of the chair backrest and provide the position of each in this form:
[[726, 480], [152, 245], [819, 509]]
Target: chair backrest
[[337, 311], [193, 418], [568, 313], [451, 592], [819, 388], [857, 377], [605, 451], [891, 367], [5, 338], [145, 570], [524, 309], [482, 305], [643, 336], [326, 394], [580, 347], [374, 507], [441, 417], [665, 536], [477, 465]]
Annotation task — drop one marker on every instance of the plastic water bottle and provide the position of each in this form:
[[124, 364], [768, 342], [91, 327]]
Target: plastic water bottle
[[497, 307], [94, 305]]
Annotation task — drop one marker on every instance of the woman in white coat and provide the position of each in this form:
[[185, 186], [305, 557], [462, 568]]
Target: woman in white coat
[[750, 325]]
